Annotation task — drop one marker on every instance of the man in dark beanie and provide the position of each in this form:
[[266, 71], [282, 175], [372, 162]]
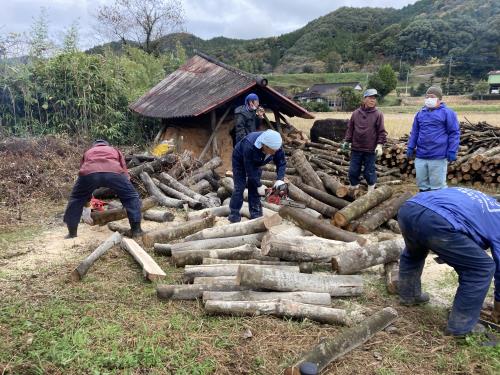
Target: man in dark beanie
[[102, 166], [435, 136], [247, 117]]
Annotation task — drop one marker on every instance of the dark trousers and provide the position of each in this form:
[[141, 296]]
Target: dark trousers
[[425, 230], [362, 160], [85, 185], [240, 182]]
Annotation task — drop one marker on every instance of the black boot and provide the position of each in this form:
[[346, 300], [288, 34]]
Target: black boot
[[136, 230], [71, 232]]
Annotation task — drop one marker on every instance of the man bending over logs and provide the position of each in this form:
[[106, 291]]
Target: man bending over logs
[[102, 166], [251, 153], [458, 225]]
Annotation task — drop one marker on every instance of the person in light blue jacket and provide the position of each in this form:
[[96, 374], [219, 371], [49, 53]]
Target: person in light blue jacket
[[436, 137], [458, 225]]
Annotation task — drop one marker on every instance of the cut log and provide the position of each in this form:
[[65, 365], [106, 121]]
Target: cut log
[[362, 205], [104, 217], [176, 232], [300, 196], [150, 269], [153, 166], [229, 280], [80, 271], [283, 281], [215, 243], [305, 249], [305, 170], [194, 204], [124, 230], [173, 183], [355, 260], [333, 184], [260, 224], [155, 191], [380, 216], [392, 277], [394, 226], [201, 187], [318, 227], [192, 291], [158, 216], [211, 211], [331, 349], [322, 196], [282, 308], [181, 258], [183, 163], [320, 299], [210, 270], [304, 267]]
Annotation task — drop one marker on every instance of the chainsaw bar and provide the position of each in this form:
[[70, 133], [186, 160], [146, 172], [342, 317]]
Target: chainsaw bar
[[286, 202]]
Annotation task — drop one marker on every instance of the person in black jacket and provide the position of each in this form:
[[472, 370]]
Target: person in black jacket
[[247, 117]]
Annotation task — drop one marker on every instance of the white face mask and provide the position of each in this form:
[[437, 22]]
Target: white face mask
[[431, 102]]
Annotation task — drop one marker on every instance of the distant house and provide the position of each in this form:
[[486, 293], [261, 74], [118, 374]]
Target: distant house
[[494, 82], [325, 93]]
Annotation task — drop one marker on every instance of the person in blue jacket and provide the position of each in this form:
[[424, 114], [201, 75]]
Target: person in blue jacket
[[251, 153], [458, 225], [436, 136]]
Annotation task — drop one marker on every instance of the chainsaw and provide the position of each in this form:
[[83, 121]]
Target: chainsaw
[[279, 195]]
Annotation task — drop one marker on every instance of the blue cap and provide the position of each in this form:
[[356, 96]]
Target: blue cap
[[251, 97], [101, 141], [370, 92], [308, 368], [270, 138]]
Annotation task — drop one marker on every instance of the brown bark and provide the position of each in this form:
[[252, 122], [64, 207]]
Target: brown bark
[[305, 170], [300, 196], [150, 269], [185, 161], [322, 196], [153, 166], [392, 277], [104, 217], [170, 233], [158, 216], [318, 227], [362, 205], [394, 226]]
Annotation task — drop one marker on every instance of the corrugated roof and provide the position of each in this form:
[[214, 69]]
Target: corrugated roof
[[203, 84]]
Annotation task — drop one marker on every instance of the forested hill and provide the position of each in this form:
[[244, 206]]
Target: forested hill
[[468, 30]]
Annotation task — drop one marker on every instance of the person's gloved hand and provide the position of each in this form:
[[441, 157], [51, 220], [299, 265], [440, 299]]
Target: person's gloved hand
[[261, 190], [410, 152], [278, 183], [452, 156], [346, 146], [495, 314], [378, 151], [87, 219]]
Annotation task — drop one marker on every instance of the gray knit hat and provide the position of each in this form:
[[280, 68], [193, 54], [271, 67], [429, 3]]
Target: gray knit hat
[[435, 90]]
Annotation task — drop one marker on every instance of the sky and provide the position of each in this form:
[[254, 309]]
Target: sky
[[244, 19]]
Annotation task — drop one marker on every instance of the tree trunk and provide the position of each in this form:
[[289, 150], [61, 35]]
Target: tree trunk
[[158, 216], [215, 243], [331, 349], [181, 258], [201, 187], [190, 272], [153, 166], [318, 227], [173, 183], [164, 235], [260, 224], [304, 267], [150, 269], [306, 249], [104, 217], [362, 205], [380, 216], [305, 170], [300, 196], [283, 281], [212, 211], [320, 299], [392, 277], [333, 184], [192, 291], [194, 204], [229, 280], [124, 230], [282, 308], [162, 199], [355, 260], [80, 271], [322, 196], [394, 226]]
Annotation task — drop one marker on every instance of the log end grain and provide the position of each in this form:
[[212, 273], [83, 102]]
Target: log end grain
[[339, 220], [75, 275]]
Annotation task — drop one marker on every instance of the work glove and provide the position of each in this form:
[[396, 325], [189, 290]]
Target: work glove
[[278, 183], [87, 219], [452, 156], [346, 146], [495, 314], [378, 151], [410, 152], [261, 190]]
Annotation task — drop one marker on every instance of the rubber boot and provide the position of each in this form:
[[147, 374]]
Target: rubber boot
[[71, 232], [410, 289], [478, 329], [135, 229], [371, 188]]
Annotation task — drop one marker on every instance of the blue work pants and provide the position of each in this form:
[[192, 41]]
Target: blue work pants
[[362, 160], [240, 183]]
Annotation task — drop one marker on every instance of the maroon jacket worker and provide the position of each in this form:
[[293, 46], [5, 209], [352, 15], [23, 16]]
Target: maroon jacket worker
[[365, 137]]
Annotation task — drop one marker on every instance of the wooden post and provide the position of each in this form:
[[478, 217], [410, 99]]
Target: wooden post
[[104, 217], [331, 349], [80, 271], [214, 133], [305, 170], [320, 299], [150, 269]]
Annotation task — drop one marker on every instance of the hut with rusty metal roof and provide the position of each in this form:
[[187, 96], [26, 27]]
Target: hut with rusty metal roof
[[196, 104]]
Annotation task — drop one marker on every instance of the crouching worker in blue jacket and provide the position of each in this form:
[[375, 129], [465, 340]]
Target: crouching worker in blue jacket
[[251, 153], [458, 225]]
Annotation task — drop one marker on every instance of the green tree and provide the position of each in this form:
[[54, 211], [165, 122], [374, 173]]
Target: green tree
[[404, 71], [350, 98], [481, 88], [384, 81], [333, 62]]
